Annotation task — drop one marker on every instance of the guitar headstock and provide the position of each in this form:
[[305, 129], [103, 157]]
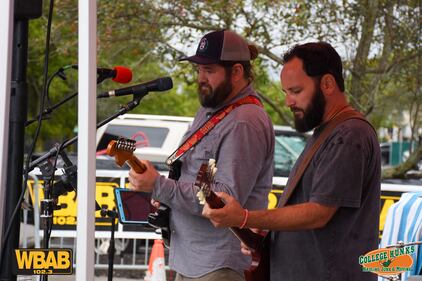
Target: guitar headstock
[[212, 169], [122, 150], [204, 179]]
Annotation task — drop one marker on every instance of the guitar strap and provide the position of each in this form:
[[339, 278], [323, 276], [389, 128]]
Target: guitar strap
[[197, 136], [161, 219], [293, 182], [330, 126]]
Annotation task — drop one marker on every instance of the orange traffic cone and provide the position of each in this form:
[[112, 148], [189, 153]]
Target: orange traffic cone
[[156, 267]]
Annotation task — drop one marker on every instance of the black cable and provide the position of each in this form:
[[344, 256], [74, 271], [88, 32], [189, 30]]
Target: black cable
[[60, 73], [31, 151]]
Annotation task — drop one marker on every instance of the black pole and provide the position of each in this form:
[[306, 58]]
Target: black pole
[[18, 111], [111, 249], [24, 10], [47, 206]]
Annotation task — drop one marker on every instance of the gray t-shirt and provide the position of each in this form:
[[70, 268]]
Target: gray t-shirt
[[345, 172], [243, 146]]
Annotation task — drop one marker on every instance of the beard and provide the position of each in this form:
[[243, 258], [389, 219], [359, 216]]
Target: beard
[[213, 98], [313, 114]]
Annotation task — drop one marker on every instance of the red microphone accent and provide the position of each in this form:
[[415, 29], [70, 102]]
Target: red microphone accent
[[123, 74]]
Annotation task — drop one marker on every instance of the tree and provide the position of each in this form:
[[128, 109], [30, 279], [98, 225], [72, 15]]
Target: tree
[[379, 41]]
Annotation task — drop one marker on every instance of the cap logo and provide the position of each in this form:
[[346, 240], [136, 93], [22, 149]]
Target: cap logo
[[203, 45]]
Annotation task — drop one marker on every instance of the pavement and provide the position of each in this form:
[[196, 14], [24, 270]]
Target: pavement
[[118, 275]]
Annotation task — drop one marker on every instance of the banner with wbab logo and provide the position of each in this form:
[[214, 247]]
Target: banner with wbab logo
[[43, 261]]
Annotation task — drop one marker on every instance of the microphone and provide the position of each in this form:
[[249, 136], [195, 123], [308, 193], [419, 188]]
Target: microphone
[[119, 74], [157, 85]]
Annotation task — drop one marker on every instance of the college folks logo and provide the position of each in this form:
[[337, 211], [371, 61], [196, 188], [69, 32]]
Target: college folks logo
[[43, 261]]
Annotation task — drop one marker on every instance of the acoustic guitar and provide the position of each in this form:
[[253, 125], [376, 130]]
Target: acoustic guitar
[[122, 150], [257, 243]]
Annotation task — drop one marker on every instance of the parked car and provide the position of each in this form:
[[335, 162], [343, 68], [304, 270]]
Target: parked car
[[288, 146], [157, 136]]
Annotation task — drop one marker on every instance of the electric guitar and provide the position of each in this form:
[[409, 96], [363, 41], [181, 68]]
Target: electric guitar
[[257, 243], [122, 150]]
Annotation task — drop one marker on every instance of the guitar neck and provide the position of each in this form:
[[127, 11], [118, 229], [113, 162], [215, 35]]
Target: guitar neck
[[136, 164], [251, 239]]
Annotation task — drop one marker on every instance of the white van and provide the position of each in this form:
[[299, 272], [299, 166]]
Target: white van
[[157, 136]]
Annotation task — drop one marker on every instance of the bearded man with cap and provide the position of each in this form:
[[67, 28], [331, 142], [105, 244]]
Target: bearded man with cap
[[242, 144]]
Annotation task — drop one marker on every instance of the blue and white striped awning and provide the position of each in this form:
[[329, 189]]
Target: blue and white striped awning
[[404, 223]]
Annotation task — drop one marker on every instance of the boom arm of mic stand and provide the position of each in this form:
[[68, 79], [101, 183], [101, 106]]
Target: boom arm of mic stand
[[49, 110], [126, 108]]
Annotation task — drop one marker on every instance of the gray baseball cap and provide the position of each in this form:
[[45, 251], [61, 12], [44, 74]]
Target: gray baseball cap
[[220, 46]]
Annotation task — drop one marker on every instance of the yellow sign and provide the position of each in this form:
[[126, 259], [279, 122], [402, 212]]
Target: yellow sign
[[43, 261], [66, 215], [387, 200]]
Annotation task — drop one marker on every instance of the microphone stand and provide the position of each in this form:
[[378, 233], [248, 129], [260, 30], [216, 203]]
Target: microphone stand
[[60, 73], [49, 110], [111, 249], [47, 169], [47, 205], [52, 152], [52, 192]]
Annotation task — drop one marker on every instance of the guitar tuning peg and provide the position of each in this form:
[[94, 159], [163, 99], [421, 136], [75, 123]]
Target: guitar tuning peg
[[214, 171], [126, 144], [201, 197]]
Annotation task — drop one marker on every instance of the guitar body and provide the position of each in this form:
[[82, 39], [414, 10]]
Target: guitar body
[[257, 243], [161, 219], [260, 267]]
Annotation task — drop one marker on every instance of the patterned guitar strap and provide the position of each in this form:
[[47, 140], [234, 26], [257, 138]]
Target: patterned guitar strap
[[197, 136]]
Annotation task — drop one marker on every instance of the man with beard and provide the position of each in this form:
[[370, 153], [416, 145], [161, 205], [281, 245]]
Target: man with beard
[[242, 144], [331, 217]]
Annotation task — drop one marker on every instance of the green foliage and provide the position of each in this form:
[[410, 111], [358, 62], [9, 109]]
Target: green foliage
[[379, 42], [62, 52]]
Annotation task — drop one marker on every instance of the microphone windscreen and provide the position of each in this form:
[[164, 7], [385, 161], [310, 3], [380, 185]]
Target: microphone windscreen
[[165, 84], [123, 74]]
